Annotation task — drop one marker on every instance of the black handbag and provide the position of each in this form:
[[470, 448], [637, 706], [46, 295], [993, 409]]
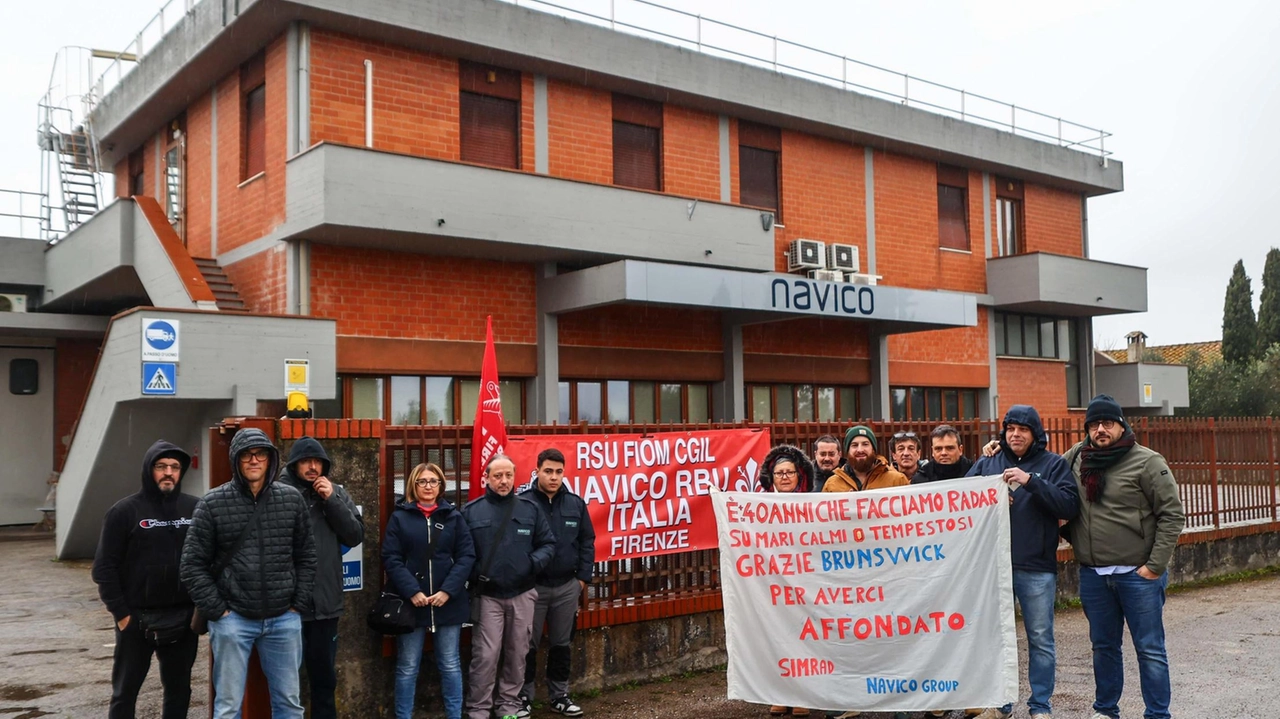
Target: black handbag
[[391, 614], [162, 627]]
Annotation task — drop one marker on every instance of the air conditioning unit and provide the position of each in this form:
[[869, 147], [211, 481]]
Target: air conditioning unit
[[826, 275], [842, 257], [857, 278], [13, 303], [806, 255]]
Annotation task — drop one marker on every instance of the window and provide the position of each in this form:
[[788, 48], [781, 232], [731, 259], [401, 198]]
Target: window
[[175, 158], [415, 399], [637, 143], [953, 207], [1009, 217], [801, 403], [253, 117], [637, 402], [137, 174], [1075, 394], [933, 404], [489, 112], [511, 391], [1031, 336], [759, 155]]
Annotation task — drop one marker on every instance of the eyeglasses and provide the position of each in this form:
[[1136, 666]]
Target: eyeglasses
[[424, 482], [1107, 424], [255, 455], [905, 435], [163, 466], [784, 473]]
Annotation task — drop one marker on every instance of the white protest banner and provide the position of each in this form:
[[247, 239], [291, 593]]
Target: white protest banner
[[889, 600]]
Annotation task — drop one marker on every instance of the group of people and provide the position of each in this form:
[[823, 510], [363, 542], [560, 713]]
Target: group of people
[[258, 561], [1113, 499]]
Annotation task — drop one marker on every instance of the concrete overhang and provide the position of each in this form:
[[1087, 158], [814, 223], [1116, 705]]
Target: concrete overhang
[[753, 297], [1145, 388], [41, 324], [21, 261], [1043, 283], [360, 197], [207, 44]]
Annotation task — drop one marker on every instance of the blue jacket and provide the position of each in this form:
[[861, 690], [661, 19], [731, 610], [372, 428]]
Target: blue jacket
[[408, 571], [575, 535], [1048, 496], [526, 548]]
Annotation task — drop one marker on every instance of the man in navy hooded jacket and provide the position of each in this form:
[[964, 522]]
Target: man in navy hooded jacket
[[1042, 492]]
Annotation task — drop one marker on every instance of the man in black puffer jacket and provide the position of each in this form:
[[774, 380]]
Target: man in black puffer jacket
[[513, 542], [253, 593], [136, 569], [334, 522]]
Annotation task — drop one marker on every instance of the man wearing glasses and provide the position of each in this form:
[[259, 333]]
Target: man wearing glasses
[[1129, 522], [252, 596], [136, 569], [334, 523]]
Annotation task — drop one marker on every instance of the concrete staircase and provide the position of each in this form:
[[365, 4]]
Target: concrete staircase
[[223, 291]]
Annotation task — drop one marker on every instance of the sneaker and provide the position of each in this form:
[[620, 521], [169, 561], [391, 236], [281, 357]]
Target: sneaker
[[849, 715], [1100, 715], [937, 714], [995, 713], [1042, 715], [526, 708], [565, 706]]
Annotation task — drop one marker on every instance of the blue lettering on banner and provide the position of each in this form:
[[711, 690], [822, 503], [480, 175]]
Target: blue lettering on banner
[[834, 561], [833, 298]]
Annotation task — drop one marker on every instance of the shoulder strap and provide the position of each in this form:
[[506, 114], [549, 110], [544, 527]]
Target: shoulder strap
[[497, 537], [253, 521]]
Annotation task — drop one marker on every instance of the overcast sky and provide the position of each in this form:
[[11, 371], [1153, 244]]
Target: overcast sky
[[1190, 91]]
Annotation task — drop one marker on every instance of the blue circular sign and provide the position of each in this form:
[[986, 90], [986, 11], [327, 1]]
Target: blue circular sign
[[160, 335]]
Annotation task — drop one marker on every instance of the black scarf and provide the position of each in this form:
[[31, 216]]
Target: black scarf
[[1094, 462]]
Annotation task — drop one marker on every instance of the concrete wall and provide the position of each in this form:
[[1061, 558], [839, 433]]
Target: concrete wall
[[1170, 386], [1059, 285], [23, 261], [27, 440]]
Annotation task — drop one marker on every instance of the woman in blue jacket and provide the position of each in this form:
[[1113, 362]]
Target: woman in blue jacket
[[427, 555]]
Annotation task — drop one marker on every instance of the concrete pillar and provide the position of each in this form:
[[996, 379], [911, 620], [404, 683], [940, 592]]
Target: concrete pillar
[[878, 407], [730, 395], [546, 385], [726, 184], [869, 179], [988, 399], [541, 163]]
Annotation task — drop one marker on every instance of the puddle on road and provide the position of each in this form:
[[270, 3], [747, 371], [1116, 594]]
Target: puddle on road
[[23, 693]]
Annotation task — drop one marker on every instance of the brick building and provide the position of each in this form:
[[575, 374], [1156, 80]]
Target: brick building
[[624, 209]]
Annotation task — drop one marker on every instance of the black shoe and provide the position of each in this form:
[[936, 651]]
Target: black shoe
[[565, 706]]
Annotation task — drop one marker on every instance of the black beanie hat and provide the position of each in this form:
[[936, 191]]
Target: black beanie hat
[[1103, 407]]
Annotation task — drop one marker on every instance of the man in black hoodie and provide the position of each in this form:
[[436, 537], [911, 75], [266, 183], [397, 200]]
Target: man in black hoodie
[[334, 522], [253, 593], [136, 569], [948, 462], [514, 542]]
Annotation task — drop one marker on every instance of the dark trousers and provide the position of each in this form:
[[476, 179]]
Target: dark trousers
[[319, 653], [133, 661]]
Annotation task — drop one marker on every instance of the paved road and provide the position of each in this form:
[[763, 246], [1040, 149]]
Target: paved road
[[55, 655]]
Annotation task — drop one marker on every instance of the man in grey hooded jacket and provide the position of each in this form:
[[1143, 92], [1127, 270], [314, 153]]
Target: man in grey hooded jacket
[[334, 523]]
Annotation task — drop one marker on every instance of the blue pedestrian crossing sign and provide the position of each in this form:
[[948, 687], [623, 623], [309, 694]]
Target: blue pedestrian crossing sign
[[159, 378]]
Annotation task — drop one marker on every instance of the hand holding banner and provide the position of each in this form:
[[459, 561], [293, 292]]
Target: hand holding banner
[[892, 600]]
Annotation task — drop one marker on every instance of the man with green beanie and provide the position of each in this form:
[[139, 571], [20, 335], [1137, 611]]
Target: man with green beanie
[[863, 468], [1129, 522]]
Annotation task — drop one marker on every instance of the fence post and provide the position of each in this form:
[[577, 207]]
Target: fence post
[[1213, 473], [1271, 470]]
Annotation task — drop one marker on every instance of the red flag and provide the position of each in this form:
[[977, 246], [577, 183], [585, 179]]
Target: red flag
[[490, 432]]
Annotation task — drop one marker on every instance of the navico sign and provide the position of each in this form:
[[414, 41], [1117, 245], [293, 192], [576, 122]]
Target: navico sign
[[832, 298]]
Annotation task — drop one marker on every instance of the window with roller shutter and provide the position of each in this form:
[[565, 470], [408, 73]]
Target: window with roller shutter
[[759, 164], [489, 113], [637, 143], [253, 113]]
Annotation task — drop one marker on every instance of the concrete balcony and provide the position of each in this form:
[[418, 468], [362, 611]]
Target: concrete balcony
[[1143, 388], [358, 197], [1064, 286]]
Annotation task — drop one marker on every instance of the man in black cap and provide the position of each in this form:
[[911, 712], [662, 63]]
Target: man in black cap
[[136, 568], [334, 523], [1129, 522]]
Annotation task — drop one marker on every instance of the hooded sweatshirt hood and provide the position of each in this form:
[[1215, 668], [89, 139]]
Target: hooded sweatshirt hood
[[794, 455], [163, 448], [1027, 416], [306, 448], [247, 439]]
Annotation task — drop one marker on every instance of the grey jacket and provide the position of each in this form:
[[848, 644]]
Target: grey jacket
[[334, 523]]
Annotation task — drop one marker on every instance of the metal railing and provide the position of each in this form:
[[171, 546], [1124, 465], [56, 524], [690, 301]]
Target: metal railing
[[722, 39], [147, 38], [20, 214]]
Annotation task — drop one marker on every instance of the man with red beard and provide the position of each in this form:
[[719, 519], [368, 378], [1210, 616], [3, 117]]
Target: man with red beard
[[863, 468]]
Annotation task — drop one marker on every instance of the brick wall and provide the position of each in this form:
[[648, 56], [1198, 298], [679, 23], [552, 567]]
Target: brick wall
[[1039, 383], [643, 327], [813, 336], [823, 194], [579, 132], [1053, 221], [962, 345], [262, 280], [378, 293], [691, 153], [199, 178], [74, 362]]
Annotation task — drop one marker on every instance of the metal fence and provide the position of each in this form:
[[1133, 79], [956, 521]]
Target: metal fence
[[1227, 473]]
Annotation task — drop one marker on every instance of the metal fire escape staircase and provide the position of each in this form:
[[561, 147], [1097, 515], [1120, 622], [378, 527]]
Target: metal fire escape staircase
[[77, 162]]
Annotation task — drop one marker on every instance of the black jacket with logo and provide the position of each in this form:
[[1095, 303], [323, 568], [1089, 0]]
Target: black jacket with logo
[[275, 567], [136, 565], [567, 514], [334, 522], [525, 550]]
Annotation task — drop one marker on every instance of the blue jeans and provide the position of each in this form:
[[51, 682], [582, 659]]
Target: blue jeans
[[408, 658], [1109, 603], [279, 644], [1036, 592]]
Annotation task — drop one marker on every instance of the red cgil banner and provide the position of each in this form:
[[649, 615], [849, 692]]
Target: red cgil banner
[[649, 494]]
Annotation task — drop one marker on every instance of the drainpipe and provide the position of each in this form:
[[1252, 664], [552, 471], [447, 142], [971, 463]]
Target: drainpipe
[[368, 103]]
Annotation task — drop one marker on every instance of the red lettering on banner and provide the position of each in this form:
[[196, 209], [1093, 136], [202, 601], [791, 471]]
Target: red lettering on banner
[[806, 667], [784, 565], [958, 501]]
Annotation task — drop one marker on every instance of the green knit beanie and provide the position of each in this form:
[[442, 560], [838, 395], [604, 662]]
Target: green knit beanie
[[860, 431]]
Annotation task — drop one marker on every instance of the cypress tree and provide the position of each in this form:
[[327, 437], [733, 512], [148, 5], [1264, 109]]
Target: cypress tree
[[1239, 327], [1269, 312]]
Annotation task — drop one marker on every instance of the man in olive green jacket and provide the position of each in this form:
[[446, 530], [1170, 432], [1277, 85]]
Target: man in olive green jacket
[[1128, 526]]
